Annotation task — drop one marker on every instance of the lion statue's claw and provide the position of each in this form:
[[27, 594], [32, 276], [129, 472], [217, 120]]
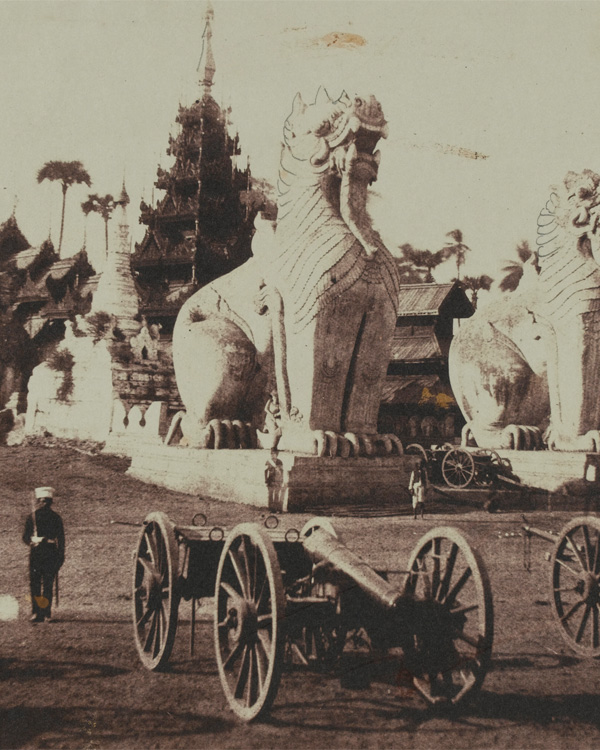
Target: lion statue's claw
[[227, 433], [593, 436], [329, 443], [522, 438]]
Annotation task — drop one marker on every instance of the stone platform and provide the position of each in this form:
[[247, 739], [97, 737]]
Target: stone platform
[[555, 471], [305, 481]]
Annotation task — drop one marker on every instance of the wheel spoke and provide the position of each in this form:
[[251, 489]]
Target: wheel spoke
[[158, 619], [435, 578], [254, 680], [151, 632], [596, 556], [147, 566], [582, 625], [563, 564], [595, 639], [242, 679], [575, 549], [571, 612], [231, 592], [465, 610], [448, 571], [265, 641], [151, 544], [588, 547], [239, 573], [243, 550], [233, 655], [266, 620], [457, 588], [263, 587], [144, 618], [262, 666], [474, 642], [424, 577]]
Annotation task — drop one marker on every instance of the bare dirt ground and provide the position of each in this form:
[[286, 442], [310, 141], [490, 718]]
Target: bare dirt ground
[[78, 683]]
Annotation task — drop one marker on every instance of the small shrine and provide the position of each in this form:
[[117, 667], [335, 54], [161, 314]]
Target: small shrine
[[417, 401]]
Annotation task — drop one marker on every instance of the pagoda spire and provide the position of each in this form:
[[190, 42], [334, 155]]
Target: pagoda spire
[[207, 61]]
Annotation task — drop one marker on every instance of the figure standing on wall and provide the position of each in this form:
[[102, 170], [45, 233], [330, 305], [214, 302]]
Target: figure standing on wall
[[44, 533], [274, 481], [418, 485]]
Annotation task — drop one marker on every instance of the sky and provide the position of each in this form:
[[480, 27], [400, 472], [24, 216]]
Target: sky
[[488, 104]]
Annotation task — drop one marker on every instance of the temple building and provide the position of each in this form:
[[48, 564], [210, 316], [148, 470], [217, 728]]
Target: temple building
[[202, 227], [38, 292], [417, 402]]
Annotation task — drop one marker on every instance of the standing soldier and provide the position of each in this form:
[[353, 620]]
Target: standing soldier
[[418, 484], [44, 533]]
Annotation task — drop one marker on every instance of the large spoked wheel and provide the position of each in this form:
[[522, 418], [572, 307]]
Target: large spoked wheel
[[249, 614], [155, 595], [575, 584], [450, 651], [458, 468]]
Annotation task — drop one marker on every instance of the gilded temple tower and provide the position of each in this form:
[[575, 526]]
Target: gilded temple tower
[[202, 226]]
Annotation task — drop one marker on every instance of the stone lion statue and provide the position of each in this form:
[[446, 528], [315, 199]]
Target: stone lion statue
[[305, 326], [525, 371]]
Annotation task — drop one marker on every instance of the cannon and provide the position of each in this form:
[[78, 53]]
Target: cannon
[[283, 594], [460, 467], [574, 581]]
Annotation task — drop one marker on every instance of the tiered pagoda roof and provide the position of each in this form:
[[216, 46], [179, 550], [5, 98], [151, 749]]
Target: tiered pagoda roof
[[200, 228]]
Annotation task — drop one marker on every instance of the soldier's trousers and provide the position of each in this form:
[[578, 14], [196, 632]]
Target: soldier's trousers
[[42, 572]]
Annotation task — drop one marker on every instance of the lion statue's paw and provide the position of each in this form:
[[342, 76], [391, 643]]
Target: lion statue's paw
[[588, 443], [227, 433], [520, 437], [351, 444]]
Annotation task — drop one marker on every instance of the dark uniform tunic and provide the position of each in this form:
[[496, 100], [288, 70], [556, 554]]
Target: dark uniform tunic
[[45, 558]]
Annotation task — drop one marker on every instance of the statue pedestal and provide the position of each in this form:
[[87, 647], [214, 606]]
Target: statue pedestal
[[301, 482], [553, 471]]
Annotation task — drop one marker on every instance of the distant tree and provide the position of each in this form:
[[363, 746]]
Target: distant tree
[[457, 249], [103, 205], [475, 284], [418, 265], [514, 268], [67, 173]]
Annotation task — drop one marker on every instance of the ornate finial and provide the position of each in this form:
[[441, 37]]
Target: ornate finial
[[207, 54], [124, 199]]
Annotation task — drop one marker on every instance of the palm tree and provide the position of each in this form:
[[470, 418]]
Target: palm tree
[[458, 249], [419, 260], [475, 284], [102, 205], [67, 173], [514, 268]]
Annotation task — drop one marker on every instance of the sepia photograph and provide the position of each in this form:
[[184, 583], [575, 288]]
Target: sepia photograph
[[291, 452]]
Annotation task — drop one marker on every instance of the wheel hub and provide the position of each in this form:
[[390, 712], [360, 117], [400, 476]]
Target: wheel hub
[[243, 621], [590, 589]]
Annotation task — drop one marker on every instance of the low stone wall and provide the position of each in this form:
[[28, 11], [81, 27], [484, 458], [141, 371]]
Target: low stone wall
[[305, 481], [142, 383]]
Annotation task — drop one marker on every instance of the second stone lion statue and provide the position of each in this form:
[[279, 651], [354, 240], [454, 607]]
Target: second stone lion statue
[[305, 327], [526, 370]]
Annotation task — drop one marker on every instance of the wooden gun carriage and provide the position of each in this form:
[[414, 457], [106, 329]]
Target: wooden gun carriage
[[460, 467], [279, 592], [575, 580]]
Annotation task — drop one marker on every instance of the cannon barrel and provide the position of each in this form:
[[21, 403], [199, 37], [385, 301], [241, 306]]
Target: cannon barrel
[[549, 536], [323, 547]]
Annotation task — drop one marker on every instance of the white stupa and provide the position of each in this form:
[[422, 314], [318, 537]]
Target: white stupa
[[116, 293]]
